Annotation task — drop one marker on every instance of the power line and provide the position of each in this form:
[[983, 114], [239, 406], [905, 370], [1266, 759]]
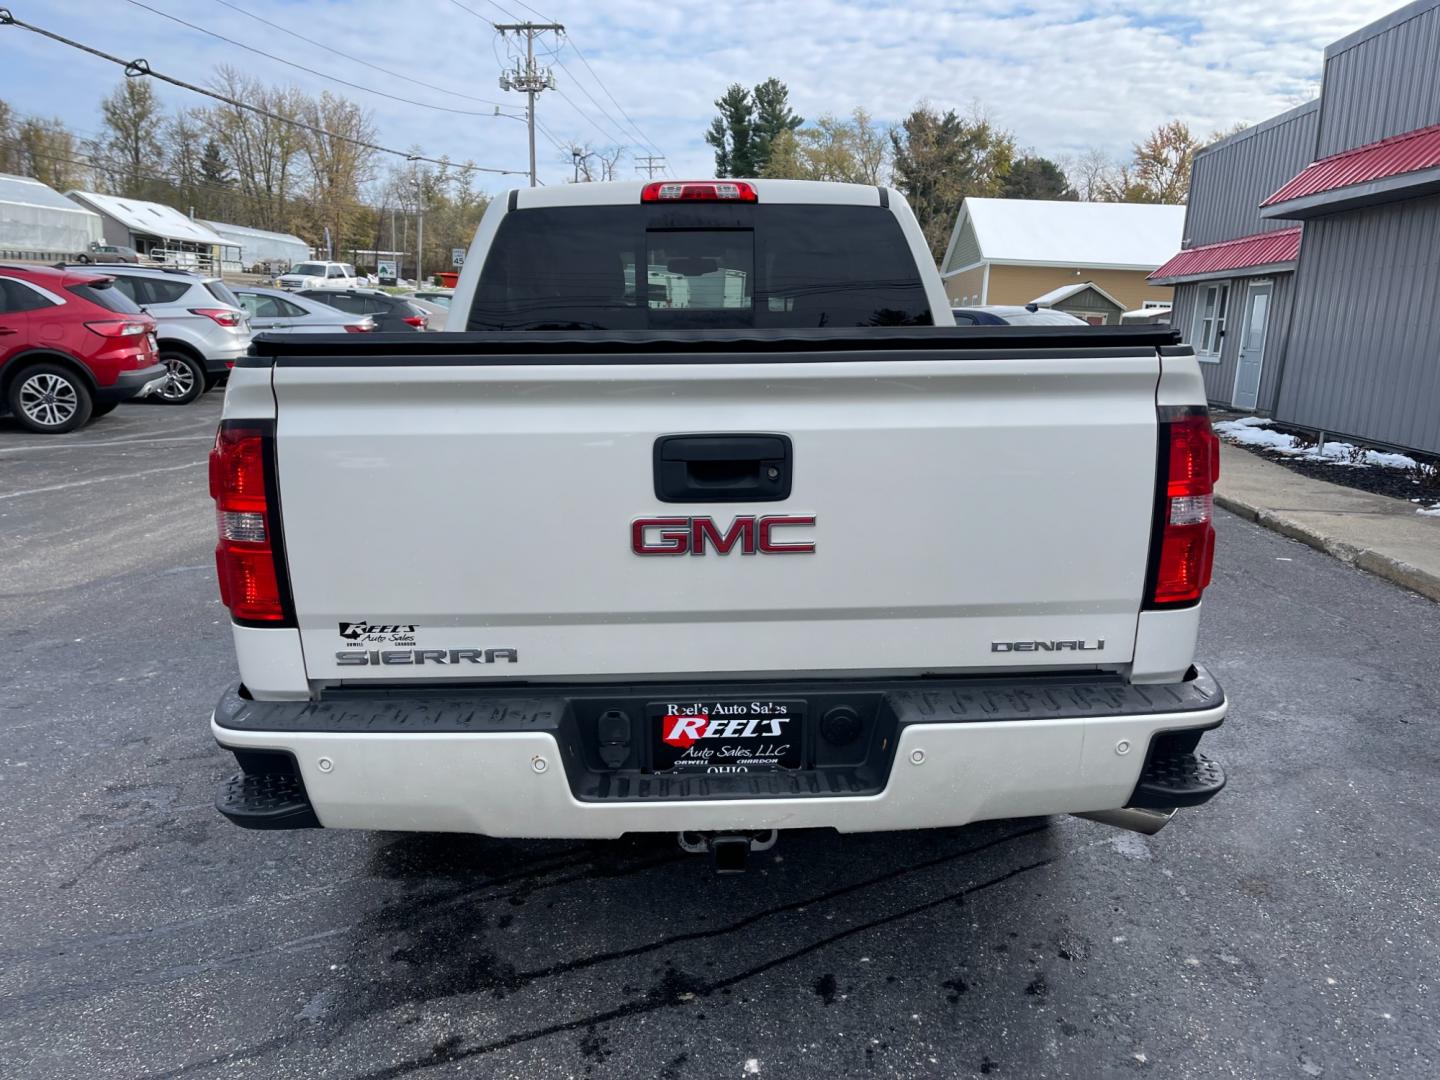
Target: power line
[[141, 67], [650, 164], [363, 63], [347, 83], [93, 162], [488, 22], [624, 137], [619, 128], [510, 14], [594, 75], [609, 135]]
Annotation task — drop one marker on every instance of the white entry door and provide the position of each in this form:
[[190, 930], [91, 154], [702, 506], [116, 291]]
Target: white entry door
[[1252, 346]]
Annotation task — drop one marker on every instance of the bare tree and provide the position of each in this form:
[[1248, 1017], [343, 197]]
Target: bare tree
[[338, 167], [9, 140], [1162, 164], [591, 164], [264, 150], [48, 151], [131, 146], [850, 151], [1091, 174]]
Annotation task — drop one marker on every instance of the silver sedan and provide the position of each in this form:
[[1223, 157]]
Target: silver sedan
[[276, 310]]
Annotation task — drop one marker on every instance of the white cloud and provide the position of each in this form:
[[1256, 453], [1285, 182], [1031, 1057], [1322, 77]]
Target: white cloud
[[1062, 74]]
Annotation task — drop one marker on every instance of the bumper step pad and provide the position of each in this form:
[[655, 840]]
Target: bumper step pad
[[266, 801], [1178, 780]]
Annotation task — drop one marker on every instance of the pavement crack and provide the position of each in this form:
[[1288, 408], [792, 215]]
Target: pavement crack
[[523, 977], [452, 1053]]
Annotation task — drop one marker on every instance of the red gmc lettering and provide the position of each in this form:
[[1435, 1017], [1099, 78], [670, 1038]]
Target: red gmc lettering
[[674, 538], [775, 547], [750, 534]]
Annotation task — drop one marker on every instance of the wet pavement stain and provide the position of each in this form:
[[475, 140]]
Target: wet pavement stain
[[825, 988]]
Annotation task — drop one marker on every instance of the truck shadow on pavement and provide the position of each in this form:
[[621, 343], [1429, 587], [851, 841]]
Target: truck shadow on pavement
[[606, 932]]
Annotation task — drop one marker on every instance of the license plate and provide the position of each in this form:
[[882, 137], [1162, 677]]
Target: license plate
[[696, 737]]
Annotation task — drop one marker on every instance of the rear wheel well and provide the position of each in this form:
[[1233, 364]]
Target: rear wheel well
[[184, 347], [17, 364]]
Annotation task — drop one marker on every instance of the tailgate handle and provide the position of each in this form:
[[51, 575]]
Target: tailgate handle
[[722, 468]]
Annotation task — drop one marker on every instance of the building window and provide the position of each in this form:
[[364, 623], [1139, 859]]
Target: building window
[[1210, 321], [1147, 304]]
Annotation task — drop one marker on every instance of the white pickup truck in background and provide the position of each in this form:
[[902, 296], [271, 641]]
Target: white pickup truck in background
[[704, 518]]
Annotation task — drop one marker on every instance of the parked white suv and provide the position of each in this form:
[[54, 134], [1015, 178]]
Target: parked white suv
[[319, 275]]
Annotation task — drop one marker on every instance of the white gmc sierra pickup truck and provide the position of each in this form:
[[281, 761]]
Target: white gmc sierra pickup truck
[[706, 519]]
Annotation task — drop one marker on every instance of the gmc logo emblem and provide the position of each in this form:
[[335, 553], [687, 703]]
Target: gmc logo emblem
[[749, 535]]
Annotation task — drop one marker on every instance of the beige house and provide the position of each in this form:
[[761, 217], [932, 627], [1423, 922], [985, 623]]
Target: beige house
[[1016, 251]]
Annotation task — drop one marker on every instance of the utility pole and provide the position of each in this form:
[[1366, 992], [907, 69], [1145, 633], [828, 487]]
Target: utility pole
[[529, 80], [650, 165]]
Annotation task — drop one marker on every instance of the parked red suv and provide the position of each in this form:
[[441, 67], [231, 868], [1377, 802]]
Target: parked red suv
[[71, 347]]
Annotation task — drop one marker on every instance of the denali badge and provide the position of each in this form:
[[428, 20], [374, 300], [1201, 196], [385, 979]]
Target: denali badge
[[1071, 645], [692, 535]]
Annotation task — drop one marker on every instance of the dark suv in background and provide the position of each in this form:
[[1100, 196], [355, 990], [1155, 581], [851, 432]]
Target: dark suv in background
[[389, 312]]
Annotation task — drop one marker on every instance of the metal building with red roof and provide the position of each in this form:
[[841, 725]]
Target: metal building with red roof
[[1309, 277]]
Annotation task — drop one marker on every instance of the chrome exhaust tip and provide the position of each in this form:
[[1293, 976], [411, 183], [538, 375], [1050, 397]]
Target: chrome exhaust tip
[[1133, 818]]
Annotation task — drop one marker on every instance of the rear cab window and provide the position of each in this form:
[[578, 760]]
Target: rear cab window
[[699, 266]]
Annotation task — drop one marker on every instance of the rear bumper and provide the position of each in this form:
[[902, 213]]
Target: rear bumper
[[942, 753], [130, 383], [220, 359]]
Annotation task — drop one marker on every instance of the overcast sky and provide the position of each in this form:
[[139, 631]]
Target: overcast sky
[[1063, 75]]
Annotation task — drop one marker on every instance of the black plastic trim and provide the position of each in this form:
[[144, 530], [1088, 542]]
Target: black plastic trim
[[550, 347], [513, 199], [675, 458], [884, 197], [129, 383], [619, 764], [533, 706], [268, 793]]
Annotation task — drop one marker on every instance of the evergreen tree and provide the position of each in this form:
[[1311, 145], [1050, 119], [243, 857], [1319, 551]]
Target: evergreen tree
[[773, 116], [1034, 177], [732, 133]]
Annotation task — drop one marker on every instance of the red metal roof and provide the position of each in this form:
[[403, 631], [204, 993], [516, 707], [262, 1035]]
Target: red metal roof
[[1262, 249], [1418, 149]]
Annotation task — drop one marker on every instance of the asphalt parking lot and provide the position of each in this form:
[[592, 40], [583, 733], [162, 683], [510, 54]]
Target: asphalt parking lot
[[1290, 928]]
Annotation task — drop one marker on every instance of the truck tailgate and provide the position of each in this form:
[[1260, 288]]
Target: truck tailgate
[[451, 519]]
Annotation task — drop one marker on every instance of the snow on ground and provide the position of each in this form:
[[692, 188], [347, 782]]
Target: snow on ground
[[1255, 431], [1433, 511]]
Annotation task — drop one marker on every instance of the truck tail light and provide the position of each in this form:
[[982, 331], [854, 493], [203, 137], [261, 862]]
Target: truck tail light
[[1182, 548], [223, 316], [249, 559], [699, 191]]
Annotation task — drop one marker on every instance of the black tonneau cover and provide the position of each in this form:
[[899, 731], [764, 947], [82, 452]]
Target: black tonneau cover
[[649, 346]]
